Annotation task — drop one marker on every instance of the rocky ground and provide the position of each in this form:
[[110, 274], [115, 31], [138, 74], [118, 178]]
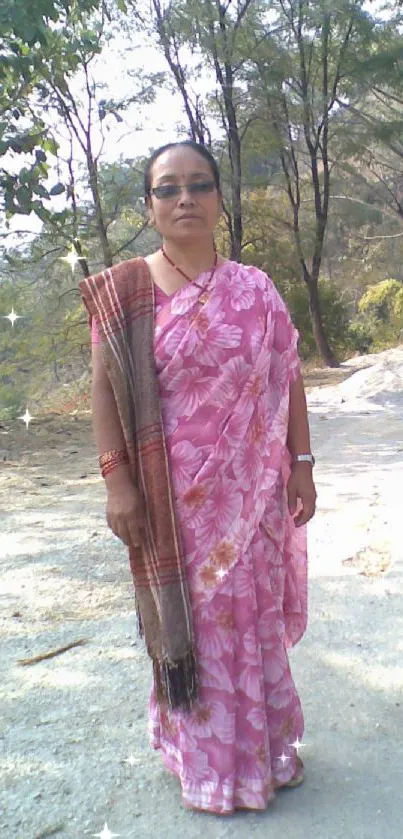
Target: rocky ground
[[74, 745]]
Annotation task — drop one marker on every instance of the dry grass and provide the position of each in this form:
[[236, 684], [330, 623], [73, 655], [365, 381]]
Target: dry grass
[[317, 376]]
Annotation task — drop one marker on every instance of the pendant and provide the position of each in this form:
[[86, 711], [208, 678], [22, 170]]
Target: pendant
[[204, 298]]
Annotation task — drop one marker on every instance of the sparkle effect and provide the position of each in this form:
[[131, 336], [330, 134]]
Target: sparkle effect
[[297, 745], [26, 417], [12, 317], [283, 758], [106, 833], [131, 760], [72, 258], [221, 573]]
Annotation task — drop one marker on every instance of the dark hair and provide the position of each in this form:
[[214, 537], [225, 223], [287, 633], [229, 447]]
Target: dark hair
[[197, 147]]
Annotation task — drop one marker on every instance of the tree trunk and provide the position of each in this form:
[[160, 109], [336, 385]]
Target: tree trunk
[[236, 244], [54, 361], [94, 186], [234, 149], [319, 335]]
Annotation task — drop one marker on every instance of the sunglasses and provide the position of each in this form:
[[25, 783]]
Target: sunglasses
[[173, 190]]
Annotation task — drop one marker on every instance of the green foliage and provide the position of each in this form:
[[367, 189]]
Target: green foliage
[[41, 43], [335, 315], [360, 337], [383, 301], [51, 341], [381, 317], [12, 398]]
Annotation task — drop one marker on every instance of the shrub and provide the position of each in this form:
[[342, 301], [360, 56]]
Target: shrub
[[11, 399], [381, 310]]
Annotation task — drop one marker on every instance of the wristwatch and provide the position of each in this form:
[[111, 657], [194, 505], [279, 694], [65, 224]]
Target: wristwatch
[[304, 458]]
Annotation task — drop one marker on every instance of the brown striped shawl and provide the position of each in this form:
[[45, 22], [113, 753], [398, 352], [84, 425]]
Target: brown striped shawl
[[122, 299]]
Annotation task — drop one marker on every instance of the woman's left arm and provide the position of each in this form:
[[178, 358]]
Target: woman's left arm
[[300, 484]]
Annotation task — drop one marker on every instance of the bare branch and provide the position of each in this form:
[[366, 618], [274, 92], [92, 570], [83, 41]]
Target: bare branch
[[133, 239], [241, 14], [364, 204]]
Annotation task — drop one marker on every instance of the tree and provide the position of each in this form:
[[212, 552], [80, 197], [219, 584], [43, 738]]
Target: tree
[[102, 216], [50, 342], [30, 36], [213, 33], [73, 112], [376, 116], [280, 72], [298, 75]]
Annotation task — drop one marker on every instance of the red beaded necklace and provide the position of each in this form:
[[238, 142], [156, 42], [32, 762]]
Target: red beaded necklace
[[189, 279]]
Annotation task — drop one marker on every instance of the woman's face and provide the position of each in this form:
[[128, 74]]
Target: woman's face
[[187, 215]]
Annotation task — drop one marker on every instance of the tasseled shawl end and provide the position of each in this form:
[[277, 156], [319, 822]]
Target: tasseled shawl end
[[176, 684]]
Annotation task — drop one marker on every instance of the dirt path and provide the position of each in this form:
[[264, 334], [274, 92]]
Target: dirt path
[[72, 721]]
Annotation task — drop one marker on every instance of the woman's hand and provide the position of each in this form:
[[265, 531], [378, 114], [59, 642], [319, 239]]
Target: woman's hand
[[301, 486], [125, 512]]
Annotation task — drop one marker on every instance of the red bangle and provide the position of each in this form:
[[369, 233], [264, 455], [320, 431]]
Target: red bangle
[[111, 455], [110, 460]]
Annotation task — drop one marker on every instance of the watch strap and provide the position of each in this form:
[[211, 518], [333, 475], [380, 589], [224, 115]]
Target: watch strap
[[304, 458]]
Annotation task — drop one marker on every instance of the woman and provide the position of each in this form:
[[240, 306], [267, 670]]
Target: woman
[[236, 437]]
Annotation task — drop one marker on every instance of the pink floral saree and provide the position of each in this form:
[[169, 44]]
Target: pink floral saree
[[224, 370]]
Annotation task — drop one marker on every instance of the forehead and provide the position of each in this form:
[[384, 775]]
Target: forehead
[[179, 163]]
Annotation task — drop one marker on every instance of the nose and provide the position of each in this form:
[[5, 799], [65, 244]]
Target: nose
[[186, 199]]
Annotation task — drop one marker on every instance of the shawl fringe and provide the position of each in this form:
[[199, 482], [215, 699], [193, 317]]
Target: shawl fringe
[[176, 683], [140, 627]]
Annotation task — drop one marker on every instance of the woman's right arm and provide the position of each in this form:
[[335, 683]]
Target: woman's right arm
[[124, 508], [106, 424]]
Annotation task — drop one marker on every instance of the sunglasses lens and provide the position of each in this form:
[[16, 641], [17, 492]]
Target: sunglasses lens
[[201, 187], [168, 191], [173, 190]]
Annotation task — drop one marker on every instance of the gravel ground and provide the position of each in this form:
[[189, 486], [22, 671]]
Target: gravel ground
[[74, 744]]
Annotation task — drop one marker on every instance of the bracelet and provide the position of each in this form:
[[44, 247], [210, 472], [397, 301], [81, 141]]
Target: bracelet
[[112, 455], [110, 460], [110, 468]]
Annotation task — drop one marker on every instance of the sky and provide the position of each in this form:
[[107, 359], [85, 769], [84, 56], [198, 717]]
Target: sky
[[158, 121]]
